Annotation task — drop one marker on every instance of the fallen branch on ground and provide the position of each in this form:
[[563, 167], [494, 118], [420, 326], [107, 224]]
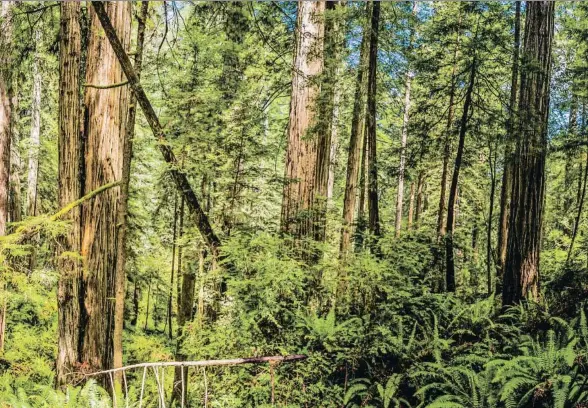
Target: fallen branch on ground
[[208, 363]]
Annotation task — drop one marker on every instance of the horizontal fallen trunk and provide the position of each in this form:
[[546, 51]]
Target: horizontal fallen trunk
[[208, 363]]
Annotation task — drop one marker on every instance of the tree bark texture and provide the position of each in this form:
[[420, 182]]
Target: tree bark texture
[[521, 277]]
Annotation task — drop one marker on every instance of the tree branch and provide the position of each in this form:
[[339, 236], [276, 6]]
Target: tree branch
[[117, 85]]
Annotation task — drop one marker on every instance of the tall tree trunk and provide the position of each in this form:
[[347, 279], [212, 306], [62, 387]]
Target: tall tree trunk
[[184, 316], [521, 275], [122, 216], [34, 145], [404, 134], [492, 152], [420, 197], [300, 189], [5, 111], [15, 159], [334, 146], [33, 159], [355, 143], [332, 46], [69, 291], [450, 272], [363, 191], [106, 117], [410, 206], [582, 197], [508, 147], [169, 314], [373, 205], [441, 230]]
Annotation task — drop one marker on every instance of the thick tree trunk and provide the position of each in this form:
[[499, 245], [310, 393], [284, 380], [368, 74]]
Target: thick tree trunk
[[355, 144], [301, 188], [508, 147], [69, 292], [373, 204], [122, 221], [106, 116], [521, 275], [450, 265]]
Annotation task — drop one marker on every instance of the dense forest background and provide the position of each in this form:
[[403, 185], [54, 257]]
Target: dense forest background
[[396, 190]]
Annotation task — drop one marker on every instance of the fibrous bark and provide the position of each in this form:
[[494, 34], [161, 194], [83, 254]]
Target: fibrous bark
[[521, 274], [300, 189], [69, 293], [105, 121], [508, 147]]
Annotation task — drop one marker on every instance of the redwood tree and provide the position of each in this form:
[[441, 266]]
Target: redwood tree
[[521, 275], [69, 292], [105, 119], [300, 189]]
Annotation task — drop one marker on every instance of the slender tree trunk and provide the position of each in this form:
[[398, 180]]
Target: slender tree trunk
[[441, 229], [490, 216], [105, 123], [363, 190], [136, 297], [521, 275], [184, 316], [570, 160], [33, 159], [5, 111], [148, 303], [34, 145], [373, 205], [404, 135], [332, 45], [582, 197], [450, 272], [508, 147], [122, 216], [354, 160], [69, 292], [15, 159], [334, 146], [410, 206], [298, 203], [420, 194], [168, 322], [180, 248]]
